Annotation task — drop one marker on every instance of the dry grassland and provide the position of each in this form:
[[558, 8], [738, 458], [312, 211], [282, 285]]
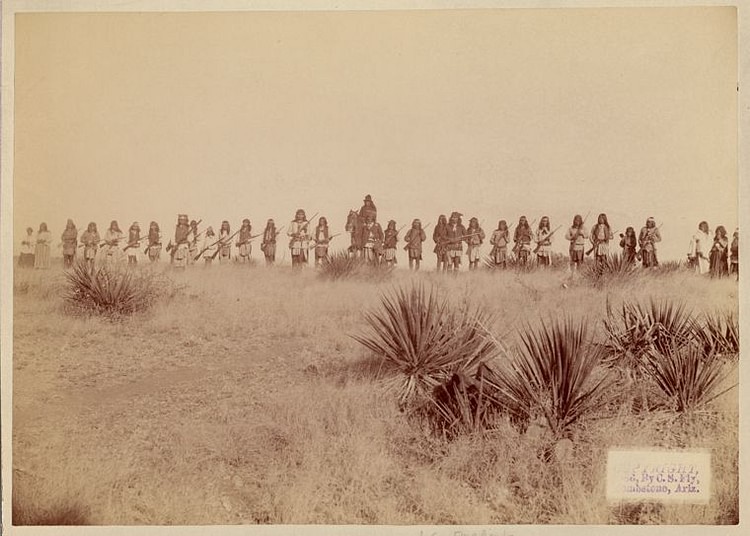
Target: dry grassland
[[242, 399]]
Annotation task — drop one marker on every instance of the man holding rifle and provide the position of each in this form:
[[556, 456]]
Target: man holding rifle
[[647, 240], [299, 239], [543, 242], [244, 247], [180, 248], [577, 236], [455, 234]]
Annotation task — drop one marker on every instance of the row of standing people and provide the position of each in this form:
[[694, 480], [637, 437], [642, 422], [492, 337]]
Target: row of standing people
[[449, 235]]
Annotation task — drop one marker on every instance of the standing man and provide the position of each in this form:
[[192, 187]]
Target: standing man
[[372, 239], [26, 258], [134, 243], [455, 235], [414, 238], [112, 238], [192, 242], [225, 246], [322, 239], [154, 242], [700, 246], [601, 234], [577, 236], [439, 236], [647, 240], [522, 241], [474, 239], [69, 243], [543, 242], [268, 246], [244, 247], [299, 239], [90, 241], [181, 247], [734, 255], [390, 241]]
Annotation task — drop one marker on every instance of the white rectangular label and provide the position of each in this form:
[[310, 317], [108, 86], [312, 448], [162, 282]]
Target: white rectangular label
[[659, 475]]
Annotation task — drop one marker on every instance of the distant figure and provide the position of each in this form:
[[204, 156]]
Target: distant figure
[[268, 247], [500, 239], [181, 248], [390, 240], [299, 239], [243, 244], [414, 238], [629, 243], [322, 239], [209, 247], [372, 239], [90, 241], [368, 208], [192, 240], [601, 234], [474, 239], [734, 255], [699, 249], [269, 242], [224, 250], [134, 243], [522, 241], [112, 237], [455, 235], [439, 236], [42, 249], [577, 236], [154, 242], [26, 256], [543, 240], [719, 253], [647, 240], [69, 243]]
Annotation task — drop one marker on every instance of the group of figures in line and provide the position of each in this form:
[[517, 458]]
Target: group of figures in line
[[369, 242]]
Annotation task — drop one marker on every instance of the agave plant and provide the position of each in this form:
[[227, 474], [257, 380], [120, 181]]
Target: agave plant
[[109, 290], [555, 375], [721, 333], [688, 378], [425, 341], [341, 265], [463, 405], [614, 270]]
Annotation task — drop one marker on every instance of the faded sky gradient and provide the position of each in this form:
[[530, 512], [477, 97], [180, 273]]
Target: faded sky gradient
[[495, 113]]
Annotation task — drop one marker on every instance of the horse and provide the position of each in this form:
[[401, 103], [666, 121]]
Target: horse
[[354, 227]]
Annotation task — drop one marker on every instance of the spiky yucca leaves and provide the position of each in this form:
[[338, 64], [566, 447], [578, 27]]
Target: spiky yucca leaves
[[555, 375], [688, 378], [110, 291], [425, 341], [341, 265], [640, 328], [462, 405], [613, 270], [721, 333]]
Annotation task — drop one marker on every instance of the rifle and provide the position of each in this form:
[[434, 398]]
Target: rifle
[[224, 242], [252, 237], [539, 244], [229, 239], [454, 240], [329, 241], [130, 245], [649, 235], [145, 251], [596, 244], [304, 227]]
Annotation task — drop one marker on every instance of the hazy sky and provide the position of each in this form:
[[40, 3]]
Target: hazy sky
[[494, 113]]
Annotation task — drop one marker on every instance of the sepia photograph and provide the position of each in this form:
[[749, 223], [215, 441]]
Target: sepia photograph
[[385, 266]]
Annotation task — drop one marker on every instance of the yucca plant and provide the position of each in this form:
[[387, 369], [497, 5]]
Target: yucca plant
[[423, 340], [720, 332], [341, 265], [613, 270], [462, 405], [110, 290], [555, 375], [688, 378]]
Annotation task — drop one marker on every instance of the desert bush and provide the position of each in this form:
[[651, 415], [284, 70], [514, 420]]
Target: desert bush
[[669, 267], [687, 377], [424, 341], [113, 290], [340, 265], [555, 375], [613, 271]]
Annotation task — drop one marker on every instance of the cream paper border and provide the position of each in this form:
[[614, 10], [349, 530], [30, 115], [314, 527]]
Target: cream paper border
[[10, 7]]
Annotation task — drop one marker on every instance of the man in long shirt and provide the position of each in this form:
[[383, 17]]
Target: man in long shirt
[[455, 235], [577, 236], [414, 238], [372, 239], [299, 239], [700, 246], [181, 246], [647, 240]]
